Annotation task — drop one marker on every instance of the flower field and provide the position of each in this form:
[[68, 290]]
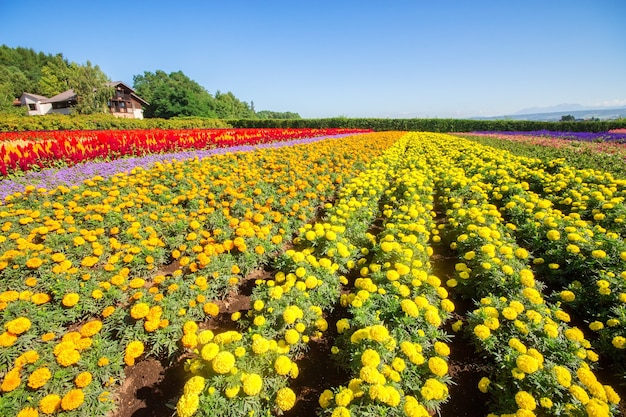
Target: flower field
[[100, 272]]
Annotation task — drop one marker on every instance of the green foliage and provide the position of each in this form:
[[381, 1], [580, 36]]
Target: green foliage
[[172, 95], [55, 77], [22, 122], [267, 114], [431, 125], [89, 84]]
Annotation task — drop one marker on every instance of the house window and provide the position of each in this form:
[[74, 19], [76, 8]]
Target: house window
[[32, 106], [119, 93]]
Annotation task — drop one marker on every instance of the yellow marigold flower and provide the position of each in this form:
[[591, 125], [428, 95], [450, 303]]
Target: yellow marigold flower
[[139, 311], [527, 364], [11, 380], [282, 365], [232, 392], [611, 395], [103, 361], [211, 309], [70, 300], [563, 376], [553, 235], [525, 400], [134, 349], [343, 325], [72, 400], [409, 307], [194, 386], [18, 325], [344, 397], [39, 378], [83, 379], [482, 332], [260, 345], [398, 364], [619, 342], [209, 351], [50, 404], [579, 393], [223, 362], [438, 366], [187, 405], [442, 349], [340, 412], [598, 254], [252, 384], [292, 336], [325, 398], [379, 333], [68, 357], [285, 399], [370, 358], [434, 390], [483, 384], [597, 408]]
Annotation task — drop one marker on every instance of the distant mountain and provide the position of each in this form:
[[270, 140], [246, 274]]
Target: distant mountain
[[549, 114], [552, 109]]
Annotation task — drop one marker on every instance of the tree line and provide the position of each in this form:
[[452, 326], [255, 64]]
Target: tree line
[[169, 95]]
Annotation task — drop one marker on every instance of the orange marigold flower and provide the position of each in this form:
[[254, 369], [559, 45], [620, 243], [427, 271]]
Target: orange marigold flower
[[30, 356], [48, 337], [28, 412], [108, 311], [39, 378], [11, 381], [18, 326], [71, 299], [91, 328], [50, 404], [34, 263], [83, 379], [72, 400], [40, 298], [68, 357], [7, 339]]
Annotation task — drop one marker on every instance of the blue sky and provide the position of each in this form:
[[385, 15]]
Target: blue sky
[[349, 58]]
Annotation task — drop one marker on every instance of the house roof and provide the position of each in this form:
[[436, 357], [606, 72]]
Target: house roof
[[64, 96], [35, 97], [132, 91]]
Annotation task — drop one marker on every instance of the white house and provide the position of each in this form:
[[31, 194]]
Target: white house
[[123, 103]]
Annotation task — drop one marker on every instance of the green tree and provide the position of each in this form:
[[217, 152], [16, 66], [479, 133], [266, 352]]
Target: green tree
[[55, 77], [173, 95], [89, 85], [568, 118], [267, 114], [227, 106]]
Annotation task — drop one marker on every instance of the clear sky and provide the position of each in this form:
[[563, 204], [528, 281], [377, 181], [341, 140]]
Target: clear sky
[[412, 58]]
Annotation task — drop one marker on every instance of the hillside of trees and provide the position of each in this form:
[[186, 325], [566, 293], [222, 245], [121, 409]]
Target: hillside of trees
[[169, 95]]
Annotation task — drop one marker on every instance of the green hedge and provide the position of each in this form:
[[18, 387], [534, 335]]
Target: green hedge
[[12, 123], [434, 125], [102, 121]]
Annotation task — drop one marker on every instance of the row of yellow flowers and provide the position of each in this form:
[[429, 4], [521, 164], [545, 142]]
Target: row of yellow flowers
[[391, 341], [584, 262], [80, 267], [245, 372], [544, 366]]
